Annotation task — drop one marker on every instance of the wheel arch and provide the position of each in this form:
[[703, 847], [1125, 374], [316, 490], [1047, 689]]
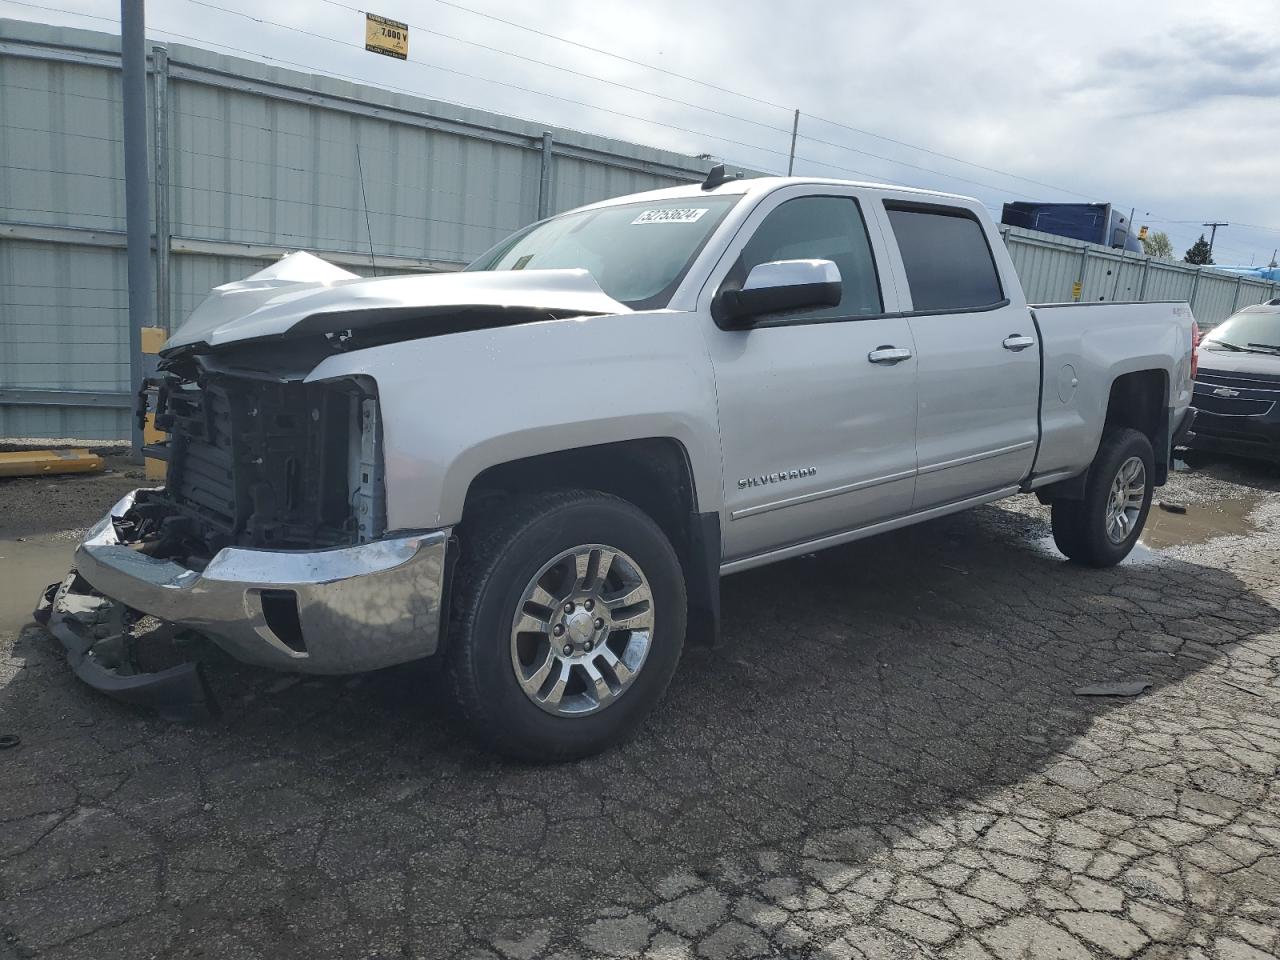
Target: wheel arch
[[654, 473], [1140, 400]]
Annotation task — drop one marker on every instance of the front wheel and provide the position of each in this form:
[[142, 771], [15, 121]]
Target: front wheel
[[1101, 528], [569, 622]]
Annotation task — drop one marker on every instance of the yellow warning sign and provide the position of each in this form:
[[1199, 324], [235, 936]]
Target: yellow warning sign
[[387, 37], [1076, 289], [1142, 232]]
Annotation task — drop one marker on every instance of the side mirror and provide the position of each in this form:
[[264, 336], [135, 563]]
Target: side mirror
[[782, 285]]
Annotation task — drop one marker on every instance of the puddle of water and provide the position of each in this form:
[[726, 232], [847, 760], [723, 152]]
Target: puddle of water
[[26, 568], [1139, 554], [1201, 522]]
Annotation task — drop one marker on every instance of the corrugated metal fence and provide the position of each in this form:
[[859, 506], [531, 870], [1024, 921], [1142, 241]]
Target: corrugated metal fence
[[251, 161], [1050, 266], [248, 162]]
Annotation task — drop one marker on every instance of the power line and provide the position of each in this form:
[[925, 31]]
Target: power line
[[737, 93], [760, 100], [914, 166], [752, 146], [205, 3], [591, 106], [585, 46], [905, 163], [717, 87], [501, 83], [569, 70], [312, 69], [1199, 221], [732, 116], [623, 58]]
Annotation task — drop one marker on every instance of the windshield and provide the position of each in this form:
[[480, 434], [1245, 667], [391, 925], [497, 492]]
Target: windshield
[[637, 252], [1256, 331]]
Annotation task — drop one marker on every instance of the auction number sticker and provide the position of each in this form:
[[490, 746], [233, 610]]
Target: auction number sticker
[[681, 215]]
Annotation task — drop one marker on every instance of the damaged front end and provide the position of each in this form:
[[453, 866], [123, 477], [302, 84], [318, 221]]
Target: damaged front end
[[268, 536], [258, 458], [97, 633]]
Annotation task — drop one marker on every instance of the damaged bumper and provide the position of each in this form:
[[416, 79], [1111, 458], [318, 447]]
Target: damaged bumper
[[340, 610], [95, 632]]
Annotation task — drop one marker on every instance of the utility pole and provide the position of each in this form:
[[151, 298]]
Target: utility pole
[[795, 127], [1213, 232], [137, 189]]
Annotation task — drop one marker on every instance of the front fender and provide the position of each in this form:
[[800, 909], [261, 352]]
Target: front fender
[[453, 406]]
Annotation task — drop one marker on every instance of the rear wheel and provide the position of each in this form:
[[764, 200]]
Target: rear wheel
[[1101, 528], [568, 625]]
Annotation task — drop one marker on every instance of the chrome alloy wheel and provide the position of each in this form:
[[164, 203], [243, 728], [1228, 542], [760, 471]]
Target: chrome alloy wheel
[[582, 630], [1124, 504]]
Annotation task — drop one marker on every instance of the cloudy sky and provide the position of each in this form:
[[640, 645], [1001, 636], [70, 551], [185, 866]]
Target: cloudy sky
[[1170, 108]]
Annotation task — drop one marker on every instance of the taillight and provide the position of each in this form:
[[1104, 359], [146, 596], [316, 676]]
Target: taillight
[[1195, 348]]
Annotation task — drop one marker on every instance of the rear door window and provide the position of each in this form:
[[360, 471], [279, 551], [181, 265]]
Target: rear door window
[[948, 261]]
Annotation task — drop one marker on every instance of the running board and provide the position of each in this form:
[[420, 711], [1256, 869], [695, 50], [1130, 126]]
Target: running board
[[848, 536]]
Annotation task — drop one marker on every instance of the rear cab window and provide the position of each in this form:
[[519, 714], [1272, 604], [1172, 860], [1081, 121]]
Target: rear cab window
[[947, 258]]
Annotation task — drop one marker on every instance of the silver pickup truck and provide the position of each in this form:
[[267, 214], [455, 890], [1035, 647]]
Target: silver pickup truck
[[539, 468]]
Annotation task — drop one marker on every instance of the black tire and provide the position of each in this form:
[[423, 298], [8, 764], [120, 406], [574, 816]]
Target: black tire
[[500, 554], [1080, 526]]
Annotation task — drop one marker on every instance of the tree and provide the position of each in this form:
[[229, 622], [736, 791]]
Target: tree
[[1199, 252], [1158, 245]]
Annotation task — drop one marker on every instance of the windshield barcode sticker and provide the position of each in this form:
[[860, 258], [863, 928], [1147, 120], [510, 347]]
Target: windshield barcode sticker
[[681, 215]]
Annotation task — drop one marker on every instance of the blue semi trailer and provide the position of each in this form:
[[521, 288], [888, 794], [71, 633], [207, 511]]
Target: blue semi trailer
[[1092, 222]]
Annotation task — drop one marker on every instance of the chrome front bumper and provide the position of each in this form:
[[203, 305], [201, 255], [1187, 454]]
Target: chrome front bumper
[[358, 608]]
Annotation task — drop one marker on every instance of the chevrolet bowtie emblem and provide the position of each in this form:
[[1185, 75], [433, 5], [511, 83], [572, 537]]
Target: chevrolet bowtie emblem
[[1226, 392]]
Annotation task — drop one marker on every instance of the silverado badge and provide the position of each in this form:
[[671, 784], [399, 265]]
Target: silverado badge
[[778, 477]]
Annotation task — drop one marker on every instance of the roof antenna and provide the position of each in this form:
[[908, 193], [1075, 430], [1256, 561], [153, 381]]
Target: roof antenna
[[716, 177], [364, 200]]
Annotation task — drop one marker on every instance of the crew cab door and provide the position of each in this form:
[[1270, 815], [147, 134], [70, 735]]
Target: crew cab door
[[977, 350], [817, 435]]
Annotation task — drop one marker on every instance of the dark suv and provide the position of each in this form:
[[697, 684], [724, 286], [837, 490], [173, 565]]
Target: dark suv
[[1238, 385]]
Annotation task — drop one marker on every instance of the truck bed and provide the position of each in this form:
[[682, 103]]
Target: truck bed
[[1085, 349]]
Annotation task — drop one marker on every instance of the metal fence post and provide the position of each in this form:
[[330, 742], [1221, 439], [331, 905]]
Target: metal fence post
[[1235, 299], [1195, 285], [1120, 265], [1084, 263], [1142, 281], [544, 183], [133, 69], [160, 123]]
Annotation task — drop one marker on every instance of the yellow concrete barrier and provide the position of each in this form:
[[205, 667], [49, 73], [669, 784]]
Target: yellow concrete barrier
[[34, 463], [153, 339]]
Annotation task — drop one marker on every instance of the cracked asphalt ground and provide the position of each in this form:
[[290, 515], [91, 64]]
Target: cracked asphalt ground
[[885, 759]]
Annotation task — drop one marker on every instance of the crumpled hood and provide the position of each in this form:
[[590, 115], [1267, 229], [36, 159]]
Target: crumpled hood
[[301, 287]]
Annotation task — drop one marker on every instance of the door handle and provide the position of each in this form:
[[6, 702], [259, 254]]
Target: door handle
[[1016, 342], [889, 354]]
